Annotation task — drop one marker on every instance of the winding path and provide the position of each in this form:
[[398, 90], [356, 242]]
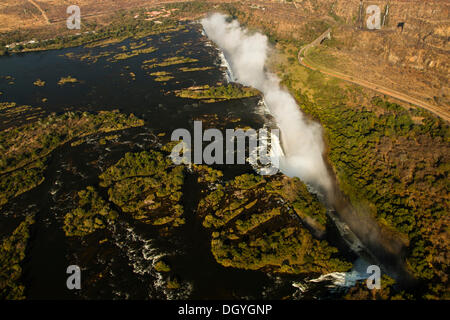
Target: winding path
[[441, 111], [40, 9]]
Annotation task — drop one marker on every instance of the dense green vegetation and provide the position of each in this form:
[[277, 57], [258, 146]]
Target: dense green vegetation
[[303, 202], [217, 93], [67, 79], [252, 225], [92, 213], [24, 149], [90, 57], [187, 69], [148, 186], [25, 144], [403, 179], [123, 26], [250, 217], [12, 253], [286, 250], [207, 174], [244, 226], [21, 180]]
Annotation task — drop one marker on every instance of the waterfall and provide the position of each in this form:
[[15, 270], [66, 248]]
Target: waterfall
[[301, 139]]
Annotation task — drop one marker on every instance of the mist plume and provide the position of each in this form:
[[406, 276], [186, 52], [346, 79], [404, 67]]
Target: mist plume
[[301, 138]]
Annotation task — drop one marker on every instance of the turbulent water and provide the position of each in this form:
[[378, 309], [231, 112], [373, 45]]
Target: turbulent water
[[272, 141]]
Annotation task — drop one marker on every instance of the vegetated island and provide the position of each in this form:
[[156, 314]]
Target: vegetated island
[[209, 94], [26, 148]]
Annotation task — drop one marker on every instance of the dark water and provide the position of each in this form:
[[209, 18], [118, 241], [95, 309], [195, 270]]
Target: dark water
[[121, 266]]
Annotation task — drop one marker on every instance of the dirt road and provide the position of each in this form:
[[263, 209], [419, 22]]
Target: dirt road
[[441, 111]]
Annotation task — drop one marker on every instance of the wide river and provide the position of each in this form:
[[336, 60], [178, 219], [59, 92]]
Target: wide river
[[105, 84]]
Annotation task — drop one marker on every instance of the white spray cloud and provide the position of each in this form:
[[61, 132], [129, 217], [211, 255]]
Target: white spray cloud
[[301, 138]]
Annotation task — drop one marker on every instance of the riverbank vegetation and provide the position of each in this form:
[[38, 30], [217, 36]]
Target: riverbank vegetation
[[92, 213], [12, 254], [254, 226]]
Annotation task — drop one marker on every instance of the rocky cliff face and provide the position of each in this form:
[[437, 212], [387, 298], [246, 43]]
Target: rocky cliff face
[[418, 52], [410, 52], [423, 42]]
